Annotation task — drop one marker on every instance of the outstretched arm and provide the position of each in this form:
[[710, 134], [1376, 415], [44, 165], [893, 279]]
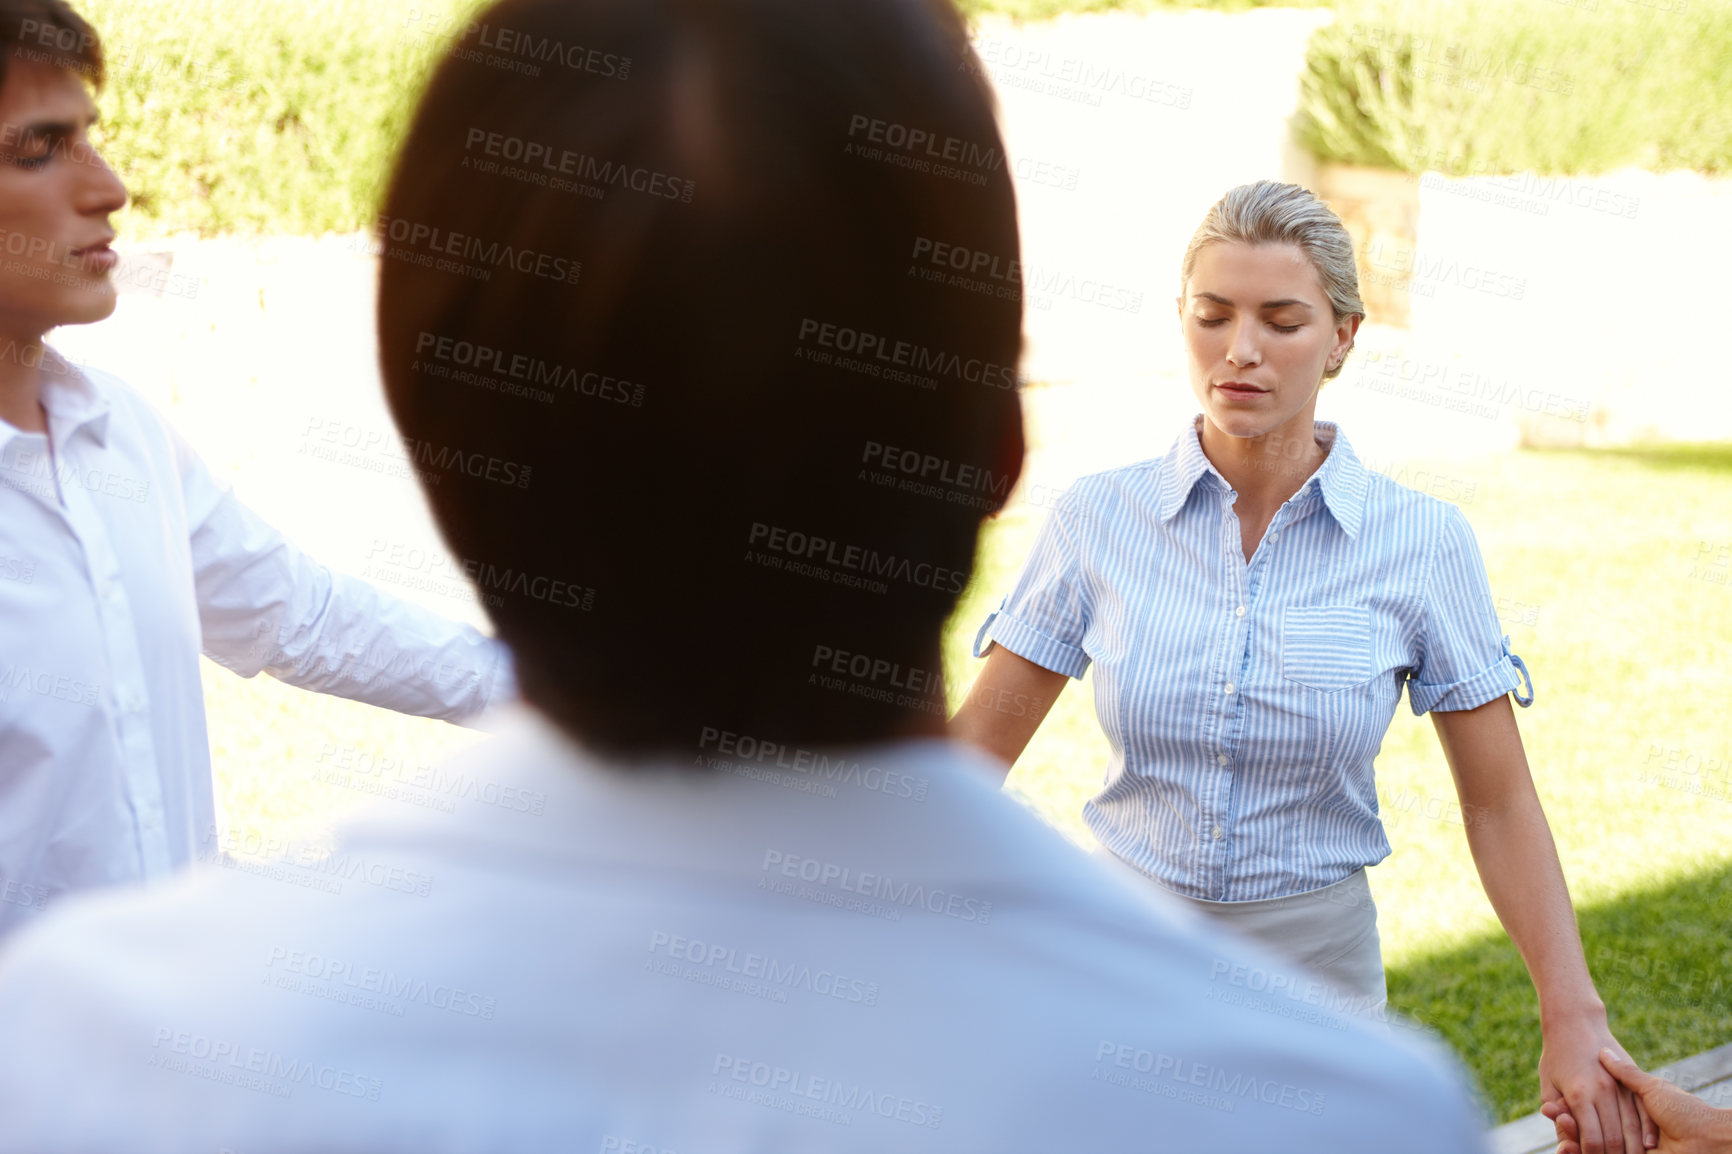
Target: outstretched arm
[[1518, 864], [1006, 704], [265, 605]]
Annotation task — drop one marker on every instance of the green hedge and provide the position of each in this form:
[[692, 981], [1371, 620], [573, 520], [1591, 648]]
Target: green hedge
[[1552, 86], [279, 116], [1048, 9], [268, 116]]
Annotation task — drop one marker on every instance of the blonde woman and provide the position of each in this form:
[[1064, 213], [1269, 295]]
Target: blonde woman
[[1252, 603]]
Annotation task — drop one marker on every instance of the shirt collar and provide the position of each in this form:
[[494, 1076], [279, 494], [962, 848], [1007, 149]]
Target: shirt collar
[[74, 401], [1341, 479]]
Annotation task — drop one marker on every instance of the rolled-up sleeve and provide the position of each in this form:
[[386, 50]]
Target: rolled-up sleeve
[[265, 606], [1044, 618], [1465, 655]]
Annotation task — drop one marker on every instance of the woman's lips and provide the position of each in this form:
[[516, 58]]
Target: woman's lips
[[1242, 392]]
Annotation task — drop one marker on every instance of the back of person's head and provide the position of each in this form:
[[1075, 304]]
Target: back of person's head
[[681, 277], [49, 32]]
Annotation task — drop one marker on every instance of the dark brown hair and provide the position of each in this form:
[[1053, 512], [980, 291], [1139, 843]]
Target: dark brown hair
[[704, 355], [50, 32]]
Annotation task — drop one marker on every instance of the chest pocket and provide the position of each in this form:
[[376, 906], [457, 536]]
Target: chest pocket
[[1326, 647]]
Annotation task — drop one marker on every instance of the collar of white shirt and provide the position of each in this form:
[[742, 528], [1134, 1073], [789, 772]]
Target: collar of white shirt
[[1341, 478], [72, 399]]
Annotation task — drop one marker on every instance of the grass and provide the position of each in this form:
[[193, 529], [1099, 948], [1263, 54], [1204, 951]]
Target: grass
[[1614, 573], [1621, 565], [1499, 86]]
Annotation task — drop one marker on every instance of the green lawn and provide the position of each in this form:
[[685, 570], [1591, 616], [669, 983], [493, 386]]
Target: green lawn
[[1621, 565], [1614, 571]]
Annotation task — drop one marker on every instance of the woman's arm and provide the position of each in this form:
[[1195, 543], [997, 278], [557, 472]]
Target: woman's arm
[[1006, 704], [1518, 865]]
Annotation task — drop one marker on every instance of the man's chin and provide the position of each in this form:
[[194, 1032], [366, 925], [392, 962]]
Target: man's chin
[[87, 306]]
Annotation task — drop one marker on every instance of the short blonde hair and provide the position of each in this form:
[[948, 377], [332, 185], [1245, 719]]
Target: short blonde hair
[[1268, 212]]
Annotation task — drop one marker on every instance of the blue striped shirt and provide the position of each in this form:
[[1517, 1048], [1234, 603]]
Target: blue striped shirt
[[1245, 702]]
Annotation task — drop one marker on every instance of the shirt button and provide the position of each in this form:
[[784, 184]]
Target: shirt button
[[1220, 759], [1218, 833], [1239, 612], [1228, 689]]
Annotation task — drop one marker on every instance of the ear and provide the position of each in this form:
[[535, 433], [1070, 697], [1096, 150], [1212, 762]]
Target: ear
[[1345, 332]]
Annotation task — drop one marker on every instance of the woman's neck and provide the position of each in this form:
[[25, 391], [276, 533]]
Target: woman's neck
[[1265, 471]]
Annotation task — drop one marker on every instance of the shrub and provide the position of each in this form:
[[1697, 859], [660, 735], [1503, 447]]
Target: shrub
[[260, 117], [1551, 86]]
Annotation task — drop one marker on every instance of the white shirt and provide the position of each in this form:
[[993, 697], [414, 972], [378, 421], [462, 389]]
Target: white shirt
[[121, 558], [861, 950]]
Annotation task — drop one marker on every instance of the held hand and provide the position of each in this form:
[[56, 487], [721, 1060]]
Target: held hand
[[1606, 1116], [1686, 1124]]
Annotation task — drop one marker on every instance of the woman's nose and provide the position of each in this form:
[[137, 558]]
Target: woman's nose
[[1242, 349]]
